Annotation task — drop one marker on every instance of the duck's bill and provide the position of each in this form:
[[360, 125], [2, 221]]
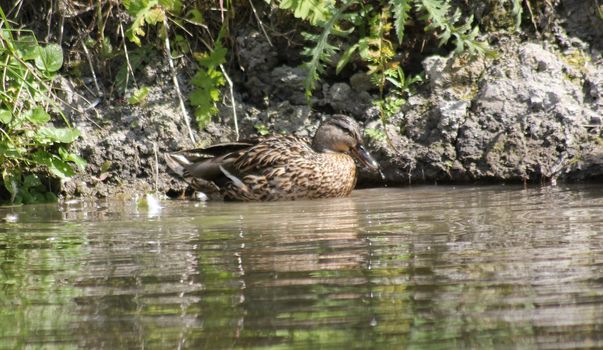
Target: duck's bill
[[364, 157]]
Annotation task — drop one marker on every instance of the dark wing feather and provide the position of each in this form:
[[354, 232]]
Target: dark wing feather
[[221, 149]]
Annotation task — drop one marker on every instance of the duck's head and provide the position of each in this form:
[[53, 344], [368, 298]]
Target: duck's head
[[341, 134]]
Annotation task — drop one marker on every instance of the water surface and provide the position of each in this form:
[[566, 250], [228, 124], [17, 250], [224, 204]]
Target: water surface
[[411, 268]]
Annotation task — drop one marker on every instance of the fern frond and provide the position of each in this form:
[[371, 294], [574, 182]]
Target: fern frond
[[313, 11], [401, 14], [436, 13], [322, 53]]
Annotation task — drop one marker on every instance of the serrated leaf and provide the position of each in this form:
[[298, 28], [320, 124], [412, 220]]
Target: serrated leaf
[[139, 96], [214, 58], [174, 6], [345, 57], [154, 16], [135, 7], [50, 58], [401, 14]]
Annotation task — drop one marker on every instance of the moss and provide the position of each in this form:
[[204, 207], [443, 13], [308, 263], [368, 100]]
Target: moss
[[576, 59], [498, 16]]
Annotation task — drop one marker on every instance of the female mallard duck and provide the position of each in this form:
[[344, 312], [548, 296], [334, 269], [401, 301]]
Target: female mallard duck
[[279, 167]]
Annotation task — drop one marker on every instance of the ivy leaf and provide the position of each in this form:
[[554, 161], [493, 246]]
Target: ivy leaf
[[5, 116], [60, 135], [38, 116], [49, 58]]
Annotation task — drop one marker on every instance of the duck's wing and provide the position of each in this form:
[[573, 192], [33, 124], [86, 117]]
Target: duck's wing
[[221, 149], [204, 163], [271, 152]]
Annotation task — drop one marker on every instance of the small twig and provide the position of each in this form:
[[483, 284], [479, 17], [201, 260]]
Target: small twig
[[19, 91], [183, 28], [98, 90], [222, 10], [232, 100], [130, 70], [255, 13], [176, 84], [532, 16], [49, 21], [61, 30], [156, 167]]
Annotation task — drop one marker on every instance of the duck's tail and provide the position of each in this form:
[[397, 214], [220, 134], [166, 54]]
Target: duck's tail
[[178, 163]]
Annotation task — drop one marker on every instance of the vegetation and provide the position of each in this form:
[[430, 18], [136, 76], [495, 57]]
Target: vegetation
[[28, 136], [118, 38], [381, 33]]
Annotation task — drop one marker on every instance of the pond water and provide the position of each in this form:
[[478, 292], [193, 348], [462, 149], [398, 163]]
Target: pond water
[[409, 268]]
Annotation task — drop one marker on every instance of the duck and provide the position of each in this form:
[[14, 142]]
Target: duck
[[278, 167]]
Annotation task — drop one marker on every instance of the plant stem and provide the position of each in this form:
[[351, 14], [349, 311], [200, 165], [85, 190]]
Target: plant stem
[[176, 84]]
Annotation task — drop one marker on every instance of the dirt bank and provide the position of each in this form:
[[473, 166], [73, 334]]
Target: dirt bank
[[532, 113]]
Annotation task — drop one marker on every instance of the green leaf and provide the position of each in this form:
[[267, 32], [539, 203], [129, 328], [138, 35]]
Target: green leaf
[[345, 57], [11, 179], [38, 116], [322, 53], [199, 97], [28, 47], [77, 160], [105, 166], [50, 58], [31, 181], [71, 157], [401, 14], [173, 6], [55, 165], [5, 116], [140, 9], [60, 135], [214, 58], [136, 7], [195, 17], [154, 16], [314, 11], [139, 96]]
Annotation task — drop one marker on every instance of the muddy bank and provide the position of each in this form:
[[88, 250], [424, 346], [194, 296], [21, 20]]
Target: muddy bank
[[532, 113]]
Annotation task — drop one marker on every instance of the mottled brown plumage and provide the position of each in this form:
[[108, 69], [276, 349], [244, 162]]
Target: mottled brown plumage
[[278, 167]]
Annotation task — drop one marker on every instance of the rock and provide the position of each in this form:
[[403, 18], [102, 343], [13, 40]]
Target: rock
[[361, 81], [343, 99], [519, 118]]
